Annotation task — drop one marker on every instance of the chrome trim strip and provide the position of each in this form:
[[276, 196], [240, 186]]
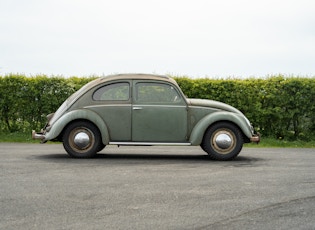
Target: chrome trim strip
[[135, 105], [107, 105], [149, 143], [167, 106], [201, 107]]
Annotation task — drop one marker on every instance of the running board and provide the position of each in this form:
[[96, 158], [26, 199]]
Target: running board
[[149, 143]]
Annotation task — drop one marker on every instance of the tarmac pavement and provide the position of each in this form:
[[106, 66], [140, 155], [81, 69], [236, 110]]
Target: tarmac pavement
[[155, 188]]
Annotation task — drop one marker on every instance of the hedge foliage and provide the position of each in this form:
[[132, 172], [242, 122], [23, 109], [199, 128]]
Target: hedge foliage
[[25, 101], [278, 106]]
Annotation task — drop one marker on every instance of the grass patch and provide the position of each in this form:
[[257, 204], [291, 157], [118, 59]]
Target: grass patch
[[17, 137], [274, 143]]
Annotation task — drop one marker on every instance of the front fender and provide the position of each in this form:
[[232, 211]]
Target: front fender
[[85, 114], [201, 127]]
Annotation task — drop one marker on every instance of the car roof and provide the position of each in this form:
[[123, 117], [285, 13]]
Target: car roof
[[137, 76], [129, 76]]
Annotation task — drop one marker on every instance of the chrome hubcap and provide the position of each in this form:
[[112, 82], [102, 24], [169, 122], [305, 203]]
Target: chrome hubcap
[[223, 140], [82, 140]]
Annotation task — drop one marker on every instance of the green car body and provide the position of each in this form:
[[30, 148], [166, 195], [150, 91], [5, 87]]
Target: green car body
[[144, 109]]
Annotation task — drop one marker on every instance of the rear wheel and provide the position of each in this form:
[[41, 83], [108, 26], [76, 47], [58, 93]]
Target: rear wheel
[[101, 147], [222, 141], [82, 140]]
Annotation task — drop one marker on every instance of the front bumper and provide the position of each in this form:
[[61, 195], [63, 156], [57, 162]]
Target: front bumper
[[255, 138]]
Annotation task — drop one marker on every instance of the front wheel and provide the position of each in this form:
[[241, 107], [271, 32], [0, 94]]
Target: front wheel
[[82, 140], [222, 141]]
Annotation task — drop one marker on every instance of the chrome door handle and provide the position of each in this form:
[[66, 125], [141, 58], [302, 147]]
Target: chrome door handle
[[137, 108]]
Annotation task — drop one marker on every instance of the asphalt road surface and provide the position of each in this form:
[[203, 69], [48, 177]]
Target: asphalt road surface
[[155, 188]]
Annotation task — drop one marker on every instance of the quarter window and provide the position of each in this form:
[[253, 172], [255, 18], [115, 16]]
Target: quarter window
[[113, 92]]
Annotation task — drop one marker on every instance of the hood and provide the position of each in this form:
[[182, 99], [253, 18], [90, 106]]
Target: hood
[[212, 104]]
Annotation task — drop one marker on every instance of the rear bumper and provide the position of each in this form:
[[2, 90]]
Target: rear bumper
[[39, 136]]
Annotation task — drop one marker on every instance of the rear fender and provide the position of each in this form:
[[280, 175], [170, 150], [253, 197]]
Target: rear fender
[[57, 128], [201, 127]]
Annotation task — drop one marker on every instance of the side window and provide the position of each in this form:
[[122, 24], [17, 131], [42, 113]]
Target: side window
[[113, 92], [156, 93]]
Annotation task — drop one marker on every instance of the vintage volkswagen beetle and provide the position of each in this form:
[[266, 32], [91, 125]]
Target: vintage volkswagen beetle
[[144, 109]]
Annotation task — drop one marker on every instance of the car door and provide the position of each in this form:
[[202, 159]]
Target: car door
[[159, 113]]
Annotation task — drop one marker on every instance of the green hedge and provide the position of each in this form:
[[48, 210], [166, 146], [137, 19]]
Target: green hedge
[[278, 106], [25, 101]]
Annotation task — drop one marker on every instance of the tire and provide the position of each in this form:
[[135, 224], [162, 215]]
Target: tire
[[222, 141], [82, 140], [101, 147]]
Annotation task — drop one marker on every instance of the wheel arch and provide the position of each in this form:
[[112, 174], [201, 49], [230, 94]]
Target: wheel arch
[[57, 129], [201, 127]]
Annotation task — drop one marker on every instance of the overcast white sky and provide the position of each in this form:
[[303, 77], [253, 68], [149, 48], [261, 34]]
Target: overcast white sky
[[196, 38]]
